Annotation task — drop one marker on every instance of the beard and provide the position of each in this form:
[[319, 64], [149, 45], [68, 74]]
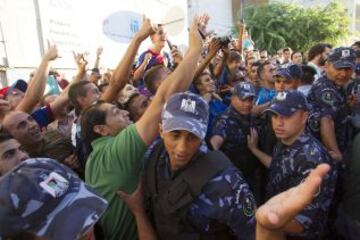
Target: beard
[[322, 61]]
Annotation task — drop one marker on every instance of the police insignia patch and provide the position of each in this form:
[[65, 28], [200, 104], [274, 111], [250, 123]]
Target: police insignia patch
[[249, 205], [55, 185], [188, 105], [314, 122], [281, 96], [328, 97]]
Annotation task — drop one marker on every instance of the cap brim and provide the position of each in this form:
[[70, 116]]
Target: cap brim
[[340, 65], [187, 124], [74, 216], [247, 95], [278, 110]]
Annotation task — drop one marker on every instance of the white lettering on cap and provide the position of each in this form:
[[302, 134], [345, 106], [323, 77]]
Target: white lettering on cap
[[247, 86], [188, 105], [345, 53]]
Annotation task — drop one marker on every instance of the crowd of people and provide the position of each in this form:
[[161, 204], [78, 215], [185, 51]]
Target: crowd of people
[[224, 141]]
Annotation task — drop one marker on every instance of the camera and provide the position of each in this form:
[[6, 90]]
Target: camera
[[224, 41]]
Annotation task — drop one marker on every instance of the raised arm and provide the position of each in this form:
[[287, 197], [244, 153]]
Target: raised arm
[[140, 71], [81, 63], [219, 67], [99, 51], [37, 85], [122, 72], [214, 47], [178, 81], [239, 45]]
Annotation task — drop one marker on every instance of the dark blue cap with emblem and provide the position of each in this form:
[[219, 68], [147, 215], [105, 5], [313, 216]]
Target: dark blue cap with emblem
[[286, 103], [283, 72], [186, 111], [244, 90], [342, 58], [45, 198]]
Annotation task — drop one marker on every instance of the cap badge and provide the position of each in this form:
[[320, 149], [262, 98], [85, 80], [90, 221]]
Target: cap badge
[[246, 86], [188, 105], [345, 53], [55, 185]]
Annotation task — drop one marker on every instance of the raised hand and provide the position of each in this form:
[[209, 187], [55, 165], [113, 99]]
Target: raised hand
[[135, 200], [252, 139], [282, 208], [214, 47], [52, 53], [99, 51], [80, 60], [147, 28], [195, 40]]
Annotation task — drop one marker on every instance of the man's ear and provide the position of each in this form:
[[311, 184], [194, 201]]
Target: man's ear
[[306, 117], [101, 130], [161, 130]]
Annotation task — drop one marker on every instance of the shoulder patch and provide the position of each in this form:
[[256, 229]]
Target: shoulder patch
[[249, 205], [328, 97]]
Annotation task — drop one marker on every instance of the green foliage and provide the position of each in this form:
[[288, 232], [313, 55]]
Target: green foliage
[[277, 25]]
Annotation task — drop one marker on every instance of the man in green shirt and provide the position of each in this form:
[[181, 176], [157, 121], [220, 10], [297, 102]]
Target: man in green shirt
[[118, 146]]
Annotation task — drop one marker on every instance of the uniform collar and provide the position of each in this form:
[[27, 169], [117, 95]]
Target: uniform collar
[[329, 82]]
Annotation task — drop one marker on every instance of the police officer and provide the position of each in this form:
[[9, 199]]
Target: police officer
[[43, 199], [329, 119], [191, 194], [295, 155], [230, 130]]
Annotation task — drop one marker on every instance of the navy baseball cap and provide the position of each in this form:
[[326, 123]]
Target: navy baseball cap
[[186, 111], [342, 57], [43, 197], [286, 103], [244, 90], [20, 84], [295, 71], [283, 72]]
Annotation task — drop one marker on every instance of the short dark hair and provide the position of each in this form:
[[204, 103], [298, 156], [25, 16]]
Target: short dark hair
[[308, 75], [77, 90], [4, 135], [317, 50], [91, 117], [356, 44], [295, 52], [234, 55], [262, 66], [151, 76], [196, 81]]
